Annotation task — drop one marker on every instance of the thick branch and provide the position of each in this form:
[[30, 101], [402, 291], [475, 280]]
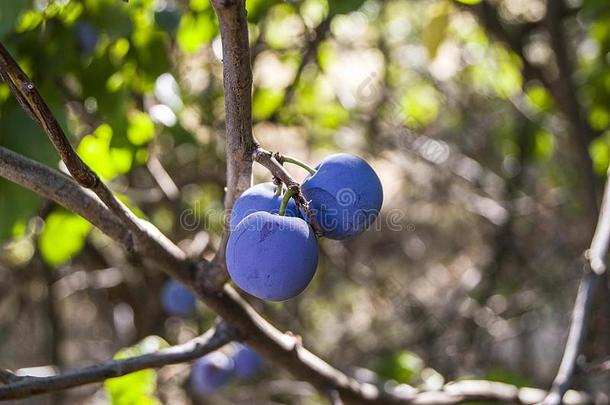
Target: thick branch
[[63, 190], [27, 386], [237, 81]]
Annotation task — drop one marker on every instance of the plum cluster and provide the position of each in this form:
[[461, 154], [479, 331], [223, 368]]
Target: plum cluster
[[272, 251], [214, 370]]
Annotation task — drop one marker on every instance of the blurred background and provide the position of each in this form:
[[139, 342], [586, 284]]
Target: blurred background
[[488, 123]]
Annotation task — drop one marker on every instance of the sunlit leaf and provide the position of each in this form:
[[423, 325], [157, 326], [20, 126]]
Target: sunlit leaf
[[435, 29], [266, 102], [544, 144], [107, 161], [599, 117], [404, 367], [195, 31], [29, 21], [141, 128], [421, 104], [63, 236], [599, 150], [139, 387], [540, 97]]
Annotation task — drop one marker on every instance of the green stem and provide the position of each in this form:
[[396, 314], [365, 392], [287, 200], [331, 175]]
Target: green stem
[[297, 162], [287, 196], [278, 190]]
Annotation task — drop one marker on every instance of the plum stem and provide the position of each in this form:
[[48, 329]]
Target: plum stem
[[287, 196], [278, 186], [297, 162]]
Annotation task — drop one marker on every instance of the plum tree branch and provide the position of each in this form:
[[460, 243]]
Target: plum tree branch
[[145, 236], [284, 349], [28, 97], [60, 188], [17, 386], [237, 82]]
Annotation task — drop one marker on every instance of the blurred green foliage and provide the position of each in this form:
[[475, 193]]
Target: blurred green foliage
[[63, 236], [136, 388], [131, 80]]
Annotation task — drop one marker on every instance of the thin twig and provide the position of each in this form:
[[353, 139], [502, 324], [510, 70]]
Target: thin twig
[[319, 33], [594, 270], [271, 161], [145, 235], [163, 179], [27, 386]]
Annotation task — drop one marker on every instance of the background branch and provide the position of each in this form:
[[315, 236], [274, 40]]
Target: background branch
[[27, 386], [594, 271]]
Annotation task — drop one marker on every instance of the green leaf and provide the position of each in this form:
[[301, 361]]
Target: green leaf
[[421, 104], [266, 102], [9, 13], [435, 30], [63, 236], [404, 367], [257, 8], [540, 98], [544, 143], [139, 387], [599, 117], [141, 128], [29, 21], [195, 31], [107, 161], [508, 377], [469, 1], [599, 150], [199, 5], [343, 6]]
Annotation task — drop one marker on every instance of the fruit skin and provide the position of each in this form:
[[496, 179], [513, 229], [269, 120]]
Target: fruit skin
[[247, 362], [177, 300], [260, 197], [86, 36], [272, 257], [346, 195], [210, 373]]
